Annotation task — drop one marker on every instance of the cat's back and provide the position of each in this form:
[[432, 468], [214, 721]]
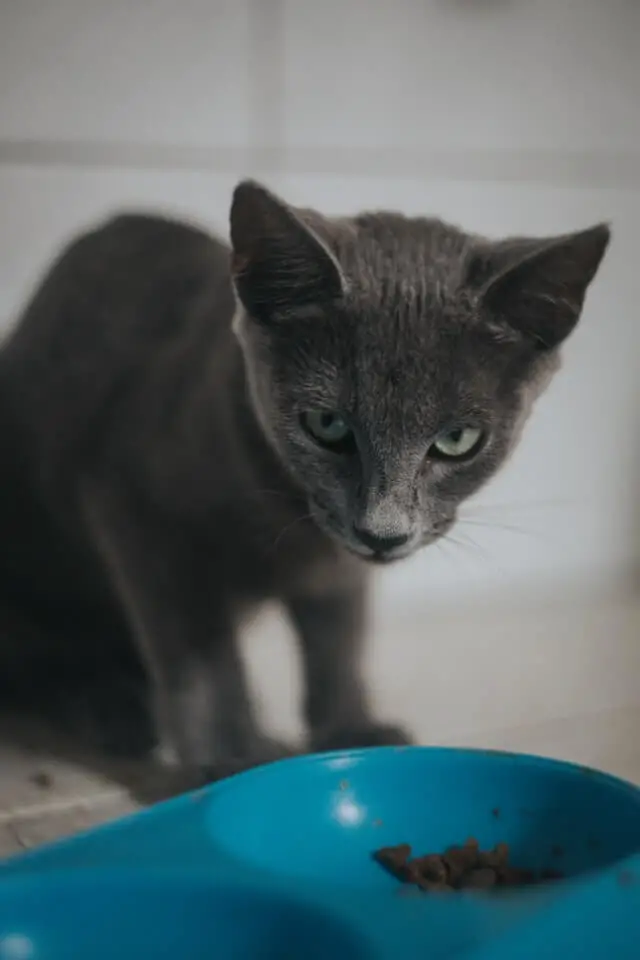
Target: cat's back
[[119, 301], [132, 277]]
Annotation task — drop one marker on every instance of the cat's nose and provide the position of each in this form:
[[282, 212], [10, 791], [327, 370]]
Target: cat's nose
[[380, 544]]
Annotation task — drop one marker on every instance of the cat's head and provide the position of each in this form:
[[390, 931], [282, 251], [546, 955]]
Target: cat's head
[[392, 361]]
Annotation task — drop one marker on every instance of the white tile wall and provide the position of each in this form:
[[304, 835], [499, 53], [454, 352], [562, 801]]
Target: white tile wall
[[147, 71], [546, 75]]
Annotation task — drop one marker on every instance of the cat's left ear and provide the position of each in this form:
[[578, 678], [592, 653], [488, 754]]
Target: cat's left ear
[[536, 288]]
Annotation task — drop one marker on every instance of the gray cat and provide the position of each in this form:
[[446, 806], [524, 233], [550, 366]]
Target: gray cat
[[187, 434]]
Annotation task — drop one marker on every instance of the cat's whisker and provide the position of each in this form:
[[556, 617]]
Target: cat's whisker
[[469, 549], [495, 525], [468, 544], [485, 508], [453, 547], [443, 545], [285, 530], [455, 542]]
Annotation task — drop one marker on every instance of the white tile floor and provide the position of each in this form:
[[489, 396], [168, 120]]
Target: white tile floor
[[43, 797]]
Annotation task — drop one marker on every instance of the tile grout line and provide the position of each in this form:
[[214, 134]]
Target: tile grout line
[[554, 169]]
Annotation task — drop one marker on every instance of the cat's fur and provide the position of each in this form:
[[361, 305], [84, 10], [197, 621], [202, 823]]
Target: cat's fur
[[157, 484]]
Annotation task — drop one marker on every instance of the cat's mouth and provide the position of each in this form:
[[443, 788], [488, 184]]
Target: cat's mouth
[[332, 526], [384, 559], [381, 557]]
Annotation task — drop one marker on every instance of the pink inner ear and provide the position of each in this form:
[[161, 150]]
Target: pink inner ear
[[502, 332], [239, 263]]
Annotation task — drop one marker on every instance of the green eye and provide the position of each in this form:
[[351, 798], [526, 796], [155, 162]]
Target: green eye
[[459, 444], [329, 429]]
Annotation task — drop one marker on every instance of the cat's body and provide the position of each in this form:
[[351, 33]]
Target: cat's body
[[170, 426], [164, 474]]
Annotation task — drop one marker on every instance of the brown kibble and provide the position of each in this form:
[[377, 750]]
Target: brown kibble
[[502, 853], [508, 876], [483, 878], [460, 860], [42, 779], [431, 868], [463, 868], [513, 877], [410, 873], [496, 858], [394, 859], [455, 868]]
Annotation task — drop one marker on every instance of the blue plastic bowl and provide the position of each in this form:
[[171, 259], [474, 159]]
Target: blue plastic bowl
[[277, 864], [106, 914]]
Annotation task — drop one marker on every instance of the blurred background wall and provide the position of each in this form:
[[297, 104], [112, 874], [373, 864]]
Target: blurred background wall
[[505, 116]]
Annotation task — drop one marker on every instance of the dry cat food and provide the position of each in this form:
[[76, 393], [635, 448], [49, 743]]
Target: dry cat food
[[458, 868], [42, 779]]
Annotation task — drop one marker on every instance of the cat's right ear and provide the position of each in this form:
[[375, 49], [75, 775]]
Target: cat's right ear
[[535, 288], [278, 264]]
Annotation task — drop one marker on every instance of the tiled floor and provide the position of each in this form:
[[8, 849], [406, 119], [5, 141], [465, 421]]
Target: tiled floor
[[43, 797]]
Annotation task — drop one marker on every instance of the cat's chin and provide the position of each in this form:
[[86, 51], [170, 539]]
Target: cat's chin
[[378, 559], [384, 559]]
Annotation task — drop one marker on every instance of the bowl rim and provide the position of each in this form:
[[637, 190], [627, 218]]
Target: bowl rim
[[347, 759]]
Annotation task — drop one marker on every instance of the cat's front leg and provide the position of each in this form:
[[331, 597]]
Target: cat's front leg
[[185, 628], [331, 630]]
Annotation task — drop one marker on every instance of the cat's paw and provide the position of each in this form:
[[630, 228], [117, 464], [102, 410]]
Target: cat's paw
[[361, 735]]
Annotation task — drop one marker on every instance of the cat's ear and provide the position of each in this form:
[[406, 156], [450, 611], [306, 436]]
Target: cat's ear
[[279, 265], [536, 288]]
